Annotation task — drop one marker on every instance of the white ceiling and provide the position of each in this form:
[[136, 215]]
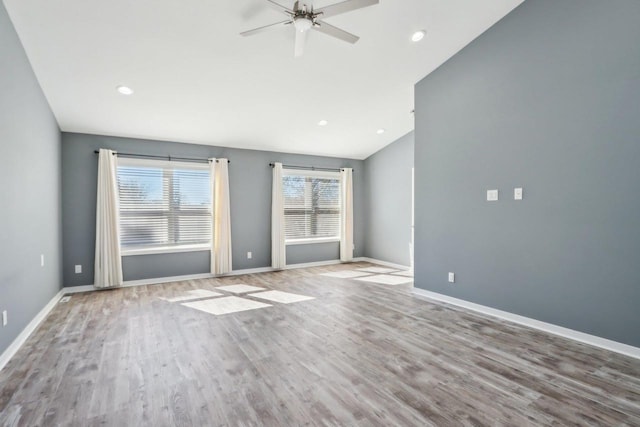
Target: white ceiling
[[196, 80]]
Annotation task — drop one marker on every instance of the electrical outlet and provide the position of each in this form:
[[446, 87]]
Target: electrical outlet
[[517, 194], [78, 269], [249, 255], [452, 277], [492, 195], [5, 318], [42, 260]]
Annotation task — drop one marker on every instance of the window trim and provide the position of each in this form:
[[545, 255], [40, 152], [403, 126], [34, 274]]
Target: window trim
[[132, 251], [311, 240], [311, 173]]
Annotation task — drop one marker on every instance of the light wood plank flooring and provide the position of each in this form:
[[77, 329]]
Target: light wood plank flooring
[[358, 354]]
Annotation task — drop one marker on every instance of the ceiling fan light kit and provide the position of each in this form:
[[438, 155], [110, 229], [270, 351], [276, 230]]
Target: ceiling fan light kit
[[302, 23], [305, 18]]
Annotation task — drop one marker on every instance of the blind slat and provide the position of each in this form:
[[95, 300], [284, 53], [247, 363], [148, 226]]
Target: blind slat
[[311, 207], [163, 205]]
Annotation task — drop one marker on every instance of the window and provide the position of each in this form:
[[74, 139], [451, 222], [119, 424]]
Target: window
[[311, 206], [164, 206]]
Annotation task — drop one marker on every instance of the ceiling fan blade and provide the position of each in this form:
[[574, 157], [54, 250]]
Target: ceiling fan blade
[[279, 7], [343, 7], [301, 38], [265, 28], [336, 32]]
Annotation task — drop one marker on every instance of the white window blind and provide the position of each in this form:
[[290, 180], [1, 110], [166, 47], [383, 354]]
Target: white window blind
[[311, 205], [163, 205]]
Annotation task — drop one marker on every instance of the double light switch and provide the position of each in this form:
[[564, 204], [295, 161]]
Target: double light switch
[[492, 195]]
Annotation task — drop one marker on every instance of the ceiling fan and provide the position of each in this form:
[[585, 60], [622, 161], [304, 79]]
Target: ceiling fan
[[305, 18]]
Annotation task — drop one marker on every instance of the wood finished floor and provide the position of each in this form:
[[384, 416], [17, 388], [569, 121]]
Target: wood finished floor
[[358, 354]]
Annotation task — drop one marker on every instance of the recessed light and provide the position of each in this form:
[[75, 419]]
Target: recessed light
[[380, 131], [323, 123], [418, 35], [125, 90]]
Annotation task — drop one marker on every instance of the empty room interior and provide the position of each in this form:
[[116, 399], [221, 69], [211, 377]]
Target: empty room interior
[[322, 213]]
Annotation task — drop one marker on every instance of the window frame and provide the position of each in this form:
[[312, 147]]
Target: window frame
[[161, 249], [315, 174]]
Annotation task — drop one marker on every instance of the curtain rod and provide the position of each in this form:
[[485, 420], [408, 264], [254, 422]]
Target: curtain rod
[[310, 168], [170, 158]]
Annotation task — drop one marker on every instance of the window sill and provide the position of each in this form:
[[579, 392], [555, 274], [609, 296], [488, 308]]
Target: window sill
[[165, 250], [312, 241]]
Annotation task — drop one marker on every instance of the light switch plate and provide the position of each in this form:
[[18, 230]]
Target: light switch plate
[[517, 194], [249, 255], [492, 195], [452, 277], [78, 269], [5, 318]]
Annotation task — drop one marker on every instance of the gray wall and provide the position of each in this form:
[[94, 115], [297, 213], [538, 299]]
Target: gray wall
[[387, 175], [547, 99], [30, 190], [250, 188]]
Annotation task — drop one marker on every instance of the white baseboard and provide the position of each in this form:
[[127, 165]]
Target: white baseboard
[[78, 289], [28, 330], [159, 280], [582, 337], [142, 282], [313, 264], [385, 263]]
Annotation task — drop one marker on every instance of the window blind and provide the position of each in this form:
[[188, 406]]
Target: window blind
[[311, 205], [163, 204]]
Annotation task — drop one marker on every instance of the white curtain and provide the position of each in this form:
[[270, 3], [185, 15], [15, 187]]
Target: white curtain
[[346, 226], [108, 264], [278, 248], [221, 217]]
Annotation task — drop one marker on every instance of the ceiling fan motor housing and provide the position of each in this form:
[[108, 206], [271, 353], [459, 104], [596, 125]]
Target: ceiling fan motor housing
[[306, 18]]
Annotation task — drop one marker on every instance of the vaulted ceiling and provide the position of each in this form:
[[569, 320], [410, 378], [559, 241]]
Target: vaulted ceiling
[[195, 79]]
